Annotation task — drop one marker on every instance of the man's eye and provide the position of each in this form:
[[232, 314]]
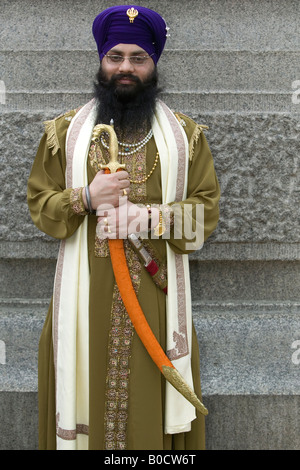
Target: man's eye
[[137, 60], [115, 58]]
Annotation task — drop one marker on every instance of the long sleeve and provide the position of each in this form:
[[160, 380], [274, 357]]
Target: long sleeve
[[55, 210], [203, 188]]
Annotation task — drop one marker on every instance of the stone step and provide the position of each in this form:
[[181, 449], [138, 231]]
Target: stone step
[[249, 348], [47, 248], [240, 422], [19, 420], [225, 24], [191, 104], [210, 279], [249, 372], [253, 422], [258, 192], [245, 348], [21, 322], [181, 70]]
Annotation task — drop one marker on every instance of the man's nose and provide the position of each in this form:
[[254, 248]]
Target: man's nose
[[126, 66]]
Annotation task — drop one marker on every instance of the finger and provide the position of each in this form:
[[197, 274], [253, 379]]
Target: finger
[[124, 192], [122, 175], [124, 184], [102, 219]]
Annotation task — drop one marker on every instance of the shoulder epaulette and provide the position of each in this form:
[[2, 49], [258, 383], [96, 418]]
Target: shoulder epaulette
[[199, 128], [50, 130]]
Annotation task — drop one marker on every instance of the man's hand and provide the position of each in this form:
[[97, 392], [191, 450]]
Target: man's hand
[[121, 221], [107, 189]]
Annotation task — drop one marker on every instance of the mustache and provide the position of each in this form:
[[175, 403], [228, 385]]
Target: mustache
[[120, 76]]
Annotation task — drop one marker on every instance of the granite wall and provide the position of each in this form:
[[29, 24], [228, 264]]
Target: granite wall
[[233, 66]]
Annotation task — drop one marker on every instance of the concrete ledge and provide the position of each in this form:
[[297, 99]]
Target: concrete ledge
[[19, 421], [258, 192], [253, 422], [186, 70], [238, 281], [211, 280], [250, 384], [240, 103], [233, 423], [245, 347], [47, 248], [21, 323], [219, 24]]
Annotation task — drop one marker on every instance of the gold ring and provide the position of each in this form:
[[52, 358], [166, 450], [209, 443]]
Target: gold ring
[[124, 192], [108, 229]]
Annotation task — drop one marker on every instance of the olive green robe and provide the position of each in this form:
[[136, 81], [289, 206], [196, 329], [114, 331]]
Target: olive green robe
[[125, 411]]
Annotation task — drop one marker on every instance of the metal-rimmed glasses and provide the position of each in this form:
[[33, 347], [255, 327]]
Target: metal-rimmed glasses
[[115, 59]]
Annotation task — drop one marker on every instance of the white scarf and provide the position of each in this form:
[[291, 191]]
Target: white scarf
[[71, 288]]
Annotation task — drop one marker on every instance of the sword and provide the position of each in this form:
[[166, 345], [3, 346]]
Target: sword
[[128, 295]]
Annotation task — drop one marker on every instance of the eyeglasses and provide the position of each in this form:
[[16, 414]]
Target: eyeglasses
[[134, 59]]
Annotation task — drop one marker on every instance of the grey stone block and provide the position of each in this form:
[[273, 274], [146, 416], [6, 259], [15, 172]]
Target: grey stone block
[[182, 71], [253, 422], [21, 324], [259, 193], [19, 421], [247, 348], [247, 280], [247, 251], [211, 80], [233, 423], [32, 279], [47, 248], [221, 24], [210, 279], [190, 103]]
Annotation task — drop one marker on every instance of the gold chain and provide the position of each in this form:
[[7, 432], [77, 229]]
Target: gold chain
[[143, 180]]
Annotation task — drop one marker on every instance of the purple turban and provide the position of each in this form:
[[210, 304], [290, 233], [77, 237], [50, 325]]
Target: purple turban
[[146, 29]]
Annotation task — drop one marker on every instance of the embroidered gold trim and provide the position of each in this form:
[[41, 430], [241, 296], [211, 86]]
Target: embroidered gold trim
[[118, 370], [76, 201]]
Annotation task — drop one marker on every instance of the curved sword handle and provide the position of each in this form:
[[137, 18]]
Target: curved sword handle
[[113, 165]]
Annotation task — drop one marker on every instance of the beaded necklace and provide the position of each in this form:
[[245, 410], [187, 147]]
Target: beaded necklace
[[131, 149], [134, 147]]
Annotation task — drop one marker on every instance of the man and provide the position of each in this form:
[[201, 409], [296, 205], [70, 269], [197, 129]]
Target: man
[[98, 385]]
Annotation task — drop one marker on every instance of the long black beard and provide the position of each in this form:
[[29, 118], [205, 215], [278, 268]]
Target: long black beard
[[131, 107]]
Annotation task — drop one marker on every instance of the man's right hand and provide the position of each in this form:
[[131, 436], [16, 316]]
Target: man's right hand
[[108, 188]]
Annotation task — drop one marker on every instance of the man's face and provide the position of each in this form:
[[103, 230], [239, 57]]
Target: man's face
[[126, 90], [126, 70]]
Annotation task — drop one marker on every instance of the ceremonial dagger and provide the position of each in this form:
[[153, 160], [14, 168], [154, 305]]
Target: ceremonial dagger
[[127, 292]]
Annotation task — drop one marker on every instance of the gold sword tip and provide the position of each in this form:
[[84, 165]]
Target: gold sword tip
[[173, 376]]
